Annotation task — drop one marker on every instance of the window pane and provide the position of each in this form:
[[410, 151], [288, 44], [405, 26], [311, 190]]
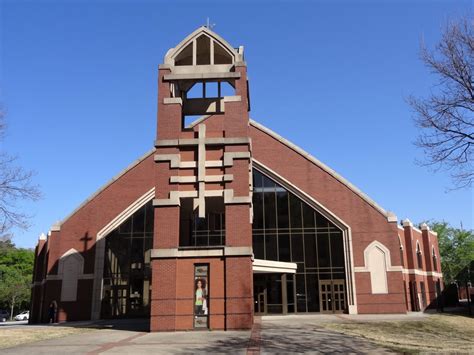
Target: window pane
[[297, 253], [271, 248], [310, 250], [300, 293], [221, 56], [295, 212], [186, 56], [337, 250], [139, 221], [258, 247], [282, 208], [149, 218], [321, 221], [323, 250], [203, 51], [284, 247], [270, 211], [308, 216], [312, 292]]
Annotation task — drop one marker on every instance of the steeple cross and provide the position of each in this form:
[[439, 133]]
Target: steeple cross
[[209, 25]]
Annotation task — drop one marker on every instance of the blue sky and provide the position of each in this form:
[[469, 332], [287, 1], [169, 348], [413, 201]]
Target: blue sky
[[78, 81]]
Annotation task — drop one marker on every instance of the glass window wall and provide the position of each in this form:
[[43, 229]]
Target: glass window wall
[[287, 229]]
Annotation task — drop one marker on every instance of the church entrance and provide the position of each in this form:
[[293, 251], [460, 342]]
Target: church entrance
[[286, 230], [276, 294], [271, 294], [332, 296]]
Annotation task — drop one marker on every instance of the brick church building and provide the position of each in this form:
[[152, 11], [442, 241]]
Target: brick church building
[[224, 219]]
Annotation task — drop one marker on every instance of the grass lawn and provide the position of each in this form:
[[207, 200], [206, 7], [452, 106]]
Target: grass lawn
[[436, 333], [15, 336]]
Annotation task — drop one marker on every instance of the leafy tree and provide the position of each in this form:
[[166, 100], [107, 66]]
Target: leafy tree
[[456, 248], [16, 273], [446, 116]]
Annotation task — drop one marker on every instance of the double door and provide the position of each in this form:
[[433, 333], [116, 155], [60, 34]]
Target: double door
[[332, 296]]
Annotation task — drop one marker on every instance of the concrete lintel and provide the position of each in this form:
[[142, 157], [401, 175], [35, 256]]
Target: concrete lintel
[[182, 179], [202, 76], [271, 266], [56, 227], [228, 141], [188, 141], [193, 253], [230, 156], [219, 178], [173, 100], [174, 159], [392, 217], [229, 198], [166, 143], [214, 193], [177, 253], [172, 201], [238, 251], [214, 163], [424, 227], [235, 98], [187, 165]]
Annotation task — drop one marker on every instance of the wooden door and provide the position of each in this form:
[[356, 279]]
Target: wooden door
[[332, 296]]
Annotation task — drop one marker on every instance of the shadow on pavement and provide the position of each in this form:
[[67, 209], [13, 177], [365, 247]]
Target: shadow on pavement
[[133, 325]]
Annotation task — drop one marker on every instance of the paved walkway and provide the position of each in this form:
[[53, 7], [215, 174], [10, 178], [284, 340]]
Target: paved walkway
[[280, 334]]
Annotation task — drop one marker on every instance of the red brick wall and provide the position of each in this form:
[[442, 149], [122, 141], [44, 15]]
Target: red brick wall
[[87, 222], [415, 274]]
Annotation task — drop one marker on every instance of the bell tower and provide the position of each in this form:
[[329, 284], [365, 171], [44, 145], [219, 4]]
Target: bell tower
[[202, 245]]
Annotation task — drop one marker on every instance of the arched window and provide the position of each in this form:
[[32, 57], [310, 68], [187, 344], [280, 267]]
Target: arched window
[[287, 229], [418, 256], [127, 267], [402, 261], [204, 50], [435, 260], [377, 264]]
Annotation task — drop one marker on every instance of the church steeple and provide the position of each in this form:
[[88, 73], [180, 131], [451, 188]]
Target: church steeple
[[203, 168], [201, 74]]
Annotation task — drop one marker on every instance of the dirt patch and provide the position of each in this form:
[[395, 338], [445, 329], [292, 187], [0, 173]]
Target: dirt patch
[[436, 333], [22, 335]]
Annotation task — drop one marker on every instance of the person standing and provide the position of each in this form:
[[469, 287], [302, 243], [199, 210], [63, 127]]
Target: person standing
[[52, 312]]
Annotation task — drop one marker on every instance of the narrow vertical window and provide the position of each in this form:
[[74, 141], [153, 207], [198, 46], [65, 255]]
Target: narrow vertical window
[[435, 261], [418, 256], [378, 270], [201, 296]]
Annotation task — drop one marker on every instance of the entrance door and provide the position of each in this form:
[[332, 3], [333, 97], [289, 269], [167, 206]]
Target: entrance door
[[332, 296], [260, 295]]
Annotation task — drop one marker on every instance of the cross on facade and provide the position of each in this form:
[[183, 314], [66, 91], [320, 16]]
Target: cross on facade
[[201, 164], [86, 238]]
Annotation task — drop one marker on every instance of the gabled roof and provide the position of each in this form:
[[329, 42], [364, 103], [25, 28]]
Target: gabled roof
[[57, 225], [391, 217], [173, 52]]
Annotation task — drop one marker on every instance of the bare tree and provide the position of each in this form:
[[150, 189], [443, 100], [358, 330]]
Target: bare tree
[[15, 186], [446, 117]]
